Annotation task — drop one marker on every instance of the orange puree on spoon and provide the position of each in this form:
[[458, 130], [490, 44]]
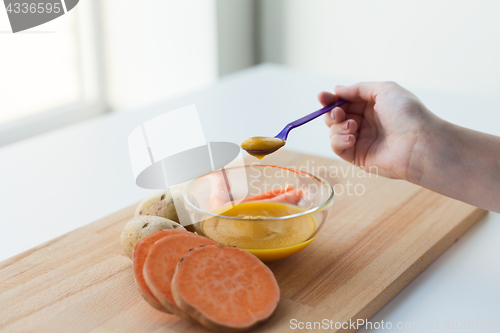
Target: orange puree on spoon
[[260, 146]]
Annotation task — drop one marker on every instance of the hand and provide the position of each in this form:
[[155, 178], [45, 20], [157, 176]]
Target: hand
[[386, 129], [379, 127]]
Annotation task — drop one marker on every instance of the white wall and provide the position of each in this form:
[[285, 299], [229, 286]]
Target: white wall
[[236, 35], [157, 49], [445, 45]]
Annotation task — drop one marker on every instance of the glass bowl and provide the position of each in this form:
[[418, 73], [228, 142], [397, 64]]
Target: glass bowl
[[229, 206]]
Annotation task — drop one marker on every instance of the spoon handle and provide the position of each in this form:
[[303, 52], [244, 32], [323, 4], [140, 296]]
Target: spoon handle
[[284, 133]]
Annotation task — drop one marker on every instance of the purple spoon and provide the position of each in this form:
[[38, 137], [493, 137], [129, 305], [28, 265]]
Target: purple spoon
[[261, 146]]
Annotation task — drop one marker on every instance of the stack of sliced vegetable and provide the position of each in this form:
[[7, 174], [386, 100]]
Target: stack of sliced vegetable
[[223, 288]]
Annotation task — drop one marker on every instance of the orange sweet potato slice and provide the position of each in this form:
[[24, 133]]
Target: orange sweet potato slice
[[140, 254], [225, 288], [160, 265], [269, 194], [289, 197]]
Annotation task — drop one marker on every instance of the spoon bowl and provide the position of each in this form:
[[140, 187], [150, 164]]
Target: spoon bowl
[[260, 146], [260, 154]]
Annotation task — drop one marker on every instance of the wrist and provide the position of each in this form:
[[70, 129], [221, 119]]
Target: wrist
[[431, 136]]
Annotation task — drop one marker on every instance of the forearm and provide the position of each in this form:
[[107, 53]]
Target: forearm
[[459, 163]]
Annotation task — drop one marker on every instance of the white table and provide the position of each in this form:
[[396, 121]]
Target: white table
[[59, 181]]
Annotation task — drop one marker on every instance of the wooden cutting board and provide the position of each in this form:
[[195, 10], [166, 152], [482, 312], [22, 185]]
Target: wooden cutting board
[[380, 235]]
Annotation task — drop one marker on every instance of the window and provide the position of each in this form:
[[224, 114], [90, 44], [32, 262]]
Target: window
[[116, 55]]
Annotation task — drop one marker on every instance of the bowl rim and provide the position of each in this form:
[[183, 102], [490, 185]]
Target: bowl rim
[[286, 217]]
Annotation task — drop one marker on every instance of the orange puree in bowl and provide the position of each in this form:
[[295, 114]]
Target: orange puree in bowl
[[267, 239]]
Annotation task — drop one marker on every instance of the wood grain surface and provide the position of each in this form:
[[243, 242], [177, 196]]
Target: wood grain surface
[[373, 244]]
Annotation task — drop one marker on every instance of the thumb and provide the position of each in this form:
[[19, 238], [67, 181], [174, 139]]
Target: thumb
[[359, 92], [326, 98]]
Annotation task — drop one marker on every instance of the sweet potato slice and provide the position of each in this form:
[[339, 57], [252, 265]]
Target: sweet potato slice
[[140, 254], [289, 197], [160, 265], [225, 288], [269, 194]]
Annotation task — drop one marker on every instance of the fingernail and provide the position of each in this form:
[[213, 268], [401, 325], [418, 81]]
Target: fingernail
[[346, 125], [332, 114], [346, 138]]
